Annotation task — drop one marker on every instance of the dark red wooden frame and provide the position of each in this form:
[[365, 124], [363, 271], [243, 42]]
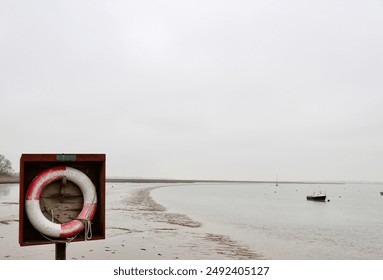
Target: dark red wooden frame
[[32, 164]]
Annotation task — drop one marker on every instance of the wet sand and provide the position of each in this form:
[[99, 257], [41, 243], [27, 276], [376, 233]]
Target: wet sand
[[137, 228]]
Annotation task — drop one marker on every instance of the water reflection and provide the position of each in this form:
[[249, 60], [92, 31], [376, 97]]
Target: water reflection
[[5, 189]]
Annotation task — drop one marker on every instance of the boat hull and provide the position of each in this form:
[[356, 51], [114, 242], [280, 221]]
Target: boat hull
[[316, 197]]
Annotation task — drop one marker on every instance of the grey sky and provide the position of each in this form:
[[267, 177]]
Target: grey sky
[[197, 89]]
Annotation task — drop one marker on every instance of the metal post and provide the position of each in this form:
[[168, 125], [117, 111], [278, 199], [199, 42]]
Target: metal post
[[60, 251]]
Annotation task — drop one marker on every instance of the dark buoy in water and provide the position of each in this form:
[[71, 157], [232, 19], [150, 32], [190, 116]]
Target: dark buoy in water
[[328, 200]]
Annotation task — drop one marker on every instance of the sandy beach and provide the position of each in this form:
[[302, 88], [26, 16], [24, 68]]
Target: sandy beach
[[137, 228]]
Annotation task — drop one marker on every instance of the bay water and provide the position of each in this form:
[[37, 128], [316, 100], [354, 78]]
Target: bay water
[[278, 222]]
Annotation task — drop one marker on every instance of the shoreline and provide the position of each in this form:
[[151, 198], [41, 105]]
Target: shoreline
[[9, 180], [205, 245], [14, 180], [137, 228]]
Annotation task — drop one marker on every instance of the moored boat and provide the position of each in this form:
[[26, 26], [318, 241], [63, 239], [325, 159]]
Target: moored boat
[[317, 197]]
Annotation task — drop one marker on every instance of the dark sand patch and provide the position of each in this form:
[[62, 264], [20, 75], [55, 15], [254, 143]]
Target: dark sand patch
[[231, 248], [7, 222]]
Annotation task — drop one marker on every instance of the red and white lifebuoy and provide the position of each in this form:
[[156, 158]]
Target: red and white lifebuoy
[[32, 202]]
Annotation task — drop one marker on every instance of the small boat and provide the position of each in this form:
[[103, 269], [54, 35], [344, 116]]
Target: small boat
[[381, 193], [317, 197]]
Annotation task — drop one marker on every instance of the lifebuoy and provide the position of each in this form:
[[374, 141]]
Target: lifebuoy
[[32, 202]]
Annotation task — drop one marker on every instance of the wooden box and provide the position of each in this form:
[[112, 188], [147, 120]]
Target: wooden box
[[62, 200]]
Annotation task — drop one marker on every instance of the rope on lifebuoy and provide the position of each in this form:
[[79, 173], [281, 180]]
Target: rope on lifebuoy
[[66, 230]]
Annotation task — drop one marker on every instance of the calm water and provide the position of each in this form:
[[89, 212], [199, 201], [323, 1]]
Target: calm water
[[279, 223]]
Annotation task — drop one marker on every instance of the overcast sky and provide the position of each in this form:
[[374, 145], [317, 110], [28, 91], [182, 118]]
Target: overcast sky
[[244, 89]]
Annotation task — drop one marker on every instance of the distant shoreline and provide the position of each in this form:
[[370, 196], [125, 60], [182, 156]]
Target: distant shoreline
[[130, 180], [15, 180], [9, 180]]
